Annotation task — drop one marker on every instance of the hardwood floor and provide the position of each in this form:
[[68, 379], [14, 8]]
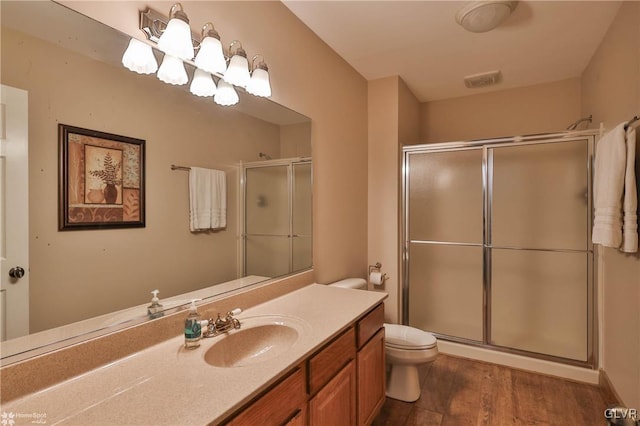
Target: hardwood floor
[[459, 391]]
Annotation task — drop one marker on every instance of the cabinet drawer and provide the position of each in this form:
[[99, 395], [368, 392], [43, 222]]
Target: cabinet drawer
[[370, 324], [278, 405], [334, 356]]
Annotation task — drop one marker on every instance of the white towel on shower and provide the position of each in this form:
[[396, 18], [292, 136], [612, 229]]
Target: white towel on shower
[[608, 186], [630, 204], [207, 199]]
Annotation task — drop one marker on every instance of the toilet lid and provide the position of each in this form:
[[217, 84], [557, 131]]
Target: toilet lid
[[405, 337]]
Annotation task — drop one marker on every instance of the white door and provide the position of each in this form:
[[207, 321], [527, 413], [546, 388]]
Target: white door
[[14, 213]]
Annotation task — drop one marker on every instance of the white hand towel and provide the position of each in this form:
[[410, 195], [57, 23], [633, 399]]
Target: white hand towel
[[207, 199], [608, 184], [630, 204]]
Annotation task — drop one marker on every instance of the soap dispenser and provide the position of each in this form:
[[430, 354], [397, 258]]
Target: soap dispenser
[[155, 309], [192, 327]]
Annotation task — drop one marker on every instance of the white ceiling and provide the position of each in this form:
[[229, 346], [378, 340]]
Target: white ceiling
[[542, 41]]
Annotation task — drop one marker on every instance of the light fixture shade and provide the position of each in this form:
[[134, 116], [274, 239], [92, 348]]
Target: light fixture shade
[[172, 71], [139, 58], [238, 71], [210, 56], [176, 40], [481, 16], [226, 94], [259, 83], [202, 84]]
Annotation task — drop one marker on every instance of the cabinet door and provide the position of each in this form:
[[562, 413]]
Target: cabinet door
[[371, 379], [335, 404]]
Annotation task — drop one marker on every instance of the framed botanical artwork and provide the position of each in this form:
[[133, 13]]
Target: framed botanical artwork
[[101, 180]]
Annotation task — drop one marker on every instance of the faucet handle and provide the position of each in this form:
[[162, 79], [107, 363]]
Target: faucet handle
[[235, 311]]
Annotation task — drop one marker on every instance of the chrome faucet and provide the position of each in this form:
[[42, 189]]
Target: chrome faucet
[[220, 325]]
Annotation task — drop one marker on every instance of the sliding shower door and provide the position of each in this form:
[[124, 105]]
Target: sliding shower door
[[497, 248], [277, 217], [445, 246], [539, 247]]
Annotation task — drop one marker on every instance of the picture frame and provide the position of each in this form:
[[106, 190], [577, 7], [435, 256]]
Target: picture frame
[[101, 182]]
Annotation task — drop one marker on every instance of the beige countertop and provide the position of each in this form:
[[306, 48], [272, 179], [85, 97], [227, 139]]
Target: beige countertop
[[167, 384]]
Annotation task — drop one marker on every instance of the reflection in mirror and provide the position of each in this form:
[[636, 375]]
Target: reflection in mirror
[[88, 280]]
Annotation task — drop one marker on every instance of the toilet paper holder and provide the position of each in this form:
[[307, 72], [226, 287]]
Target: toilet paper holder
[[377, 269]]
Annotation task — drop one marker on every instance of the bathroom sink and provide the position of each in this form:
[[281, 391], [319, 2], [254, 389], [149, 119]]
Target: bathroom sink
[[261, 338]]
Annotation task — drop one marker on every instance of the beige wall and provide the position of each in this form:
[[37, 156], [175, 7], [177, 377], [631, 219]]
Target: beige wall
[[79, 274], [309, 77], [393, 120], [541, 108], [290, 137], [383, 186], [611, 92]]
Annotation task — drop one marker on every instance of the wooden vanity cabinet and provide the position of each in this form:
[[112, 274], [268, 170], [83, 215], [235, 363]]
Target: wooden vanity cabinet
[[343, 383]]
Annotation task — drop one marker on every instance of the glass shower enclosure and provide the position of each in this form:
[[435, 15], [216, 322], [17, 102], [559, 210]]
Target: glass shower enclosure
[[277, 227], [497, 244]]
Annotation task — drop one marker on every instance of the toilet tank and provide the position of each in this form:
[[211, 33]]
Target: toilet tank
[[357, 283]]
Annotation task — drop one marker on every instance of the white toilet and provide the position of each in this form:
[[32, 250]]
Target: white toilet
[[406, 349]]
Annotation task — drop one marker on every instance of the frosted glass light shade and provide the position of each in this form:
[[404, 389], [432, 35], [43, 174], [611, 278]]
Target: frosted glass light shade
[[210, 57], [176, 40], [226, 94], [238, 71], [202, 84], [172, 71], [139, 58], [259, 83]]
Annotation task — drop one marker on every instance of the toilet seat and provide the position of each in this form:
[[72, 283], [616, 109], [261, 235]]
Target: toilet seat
[[408, 338]]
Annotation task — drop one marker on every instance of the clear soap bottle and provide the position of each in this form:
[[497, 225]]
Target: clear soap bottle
[[192, 328]]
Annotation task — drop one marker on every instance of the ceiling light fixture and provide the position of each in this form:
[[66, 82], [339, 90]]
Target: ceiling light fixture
[[484, 15], [174, 37]]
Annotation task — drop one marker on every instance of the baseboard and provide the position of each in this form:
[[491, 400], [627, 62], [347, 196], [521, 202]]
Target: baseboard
[[611, 395], [549, 368]]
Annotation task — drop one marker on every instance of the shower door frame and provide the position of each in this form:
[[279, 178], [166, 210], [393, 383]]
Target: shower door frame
[[289, 163], [487, 199]]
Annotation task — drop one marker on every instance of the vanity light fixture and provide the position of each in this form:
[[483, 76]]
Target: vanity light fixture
[[259, 83], [172, 71], [226, 94], [202, 84], [238, 71], [176, 38], [139, 58], [210, 57]]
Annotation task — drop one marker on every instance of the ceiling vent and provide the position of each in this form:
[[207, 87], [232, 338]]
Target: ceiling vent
[[483, 80]]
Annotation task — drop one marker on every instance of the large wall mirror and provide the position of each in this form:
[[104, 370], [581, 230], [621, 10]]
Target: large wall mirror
[[81, 281]]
